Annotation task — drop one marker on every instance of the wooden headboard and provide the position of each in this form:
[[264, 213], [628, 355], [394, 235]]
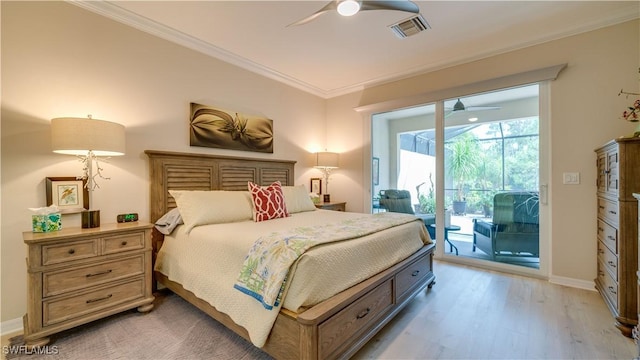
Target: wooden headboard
[[187, 171]]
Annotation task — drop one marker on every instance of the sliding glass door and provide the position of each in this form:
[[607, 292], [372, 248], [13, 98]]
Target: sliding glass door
[[489, 197]]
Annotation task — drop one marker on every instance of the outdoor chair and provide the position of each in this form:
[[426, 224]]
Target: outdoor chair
[[400, 201], [514, 229]]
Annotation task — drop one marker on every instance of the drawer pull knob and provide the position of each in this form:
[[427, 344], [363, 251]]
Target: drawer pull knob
[[415, 273], [124, 243], [71, 251], [613, 290], [99, 299], [611, 263], [612, 212], [600, 229], [611, 237], [600, 251], [601, 207], [99, 273], [364, 313]]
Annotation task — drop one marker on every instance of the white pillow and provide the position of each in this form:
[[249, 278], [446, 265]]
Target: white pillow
[[297, 199], [212, 207], [168, 222]]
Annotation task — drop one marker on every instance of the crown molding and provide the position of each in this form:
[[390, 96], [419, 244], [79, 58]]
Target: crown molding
[[119, 14]]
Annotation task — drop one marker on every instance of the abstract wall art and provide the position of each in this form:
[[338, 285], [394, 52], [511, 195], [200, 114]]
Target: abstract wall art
[[218, 128]]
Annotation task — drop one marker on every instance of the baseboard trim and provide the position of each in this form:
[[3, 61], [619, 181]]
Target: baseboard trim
[[11, 326], [575, 283]]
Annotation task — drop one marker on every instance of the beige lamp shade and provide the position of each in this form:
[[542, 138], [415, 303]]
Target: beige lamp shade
[[78, 136], [326, 160]]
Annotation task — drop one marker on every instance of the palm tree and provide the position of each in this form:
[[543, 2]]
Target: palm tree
[[463, 163]]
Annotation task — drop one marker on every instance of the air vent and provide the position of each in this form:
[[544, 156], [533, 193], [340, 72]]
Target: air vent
[[410, 26]]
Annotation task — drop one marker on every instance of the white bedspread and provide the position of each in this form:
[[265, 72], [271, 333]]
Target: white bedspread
[[208, 260]]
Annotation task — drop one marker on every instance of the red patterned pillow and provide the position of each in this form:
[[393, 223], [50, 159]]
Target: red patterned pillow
[[268, 202]]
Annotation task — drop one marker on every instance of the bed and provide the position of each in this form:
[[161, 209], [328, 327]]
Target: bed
[[335, 327]]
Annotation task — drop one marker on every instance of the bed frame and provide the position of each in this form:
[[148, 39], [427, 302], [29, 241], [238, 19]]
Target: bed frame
[[335, 328]]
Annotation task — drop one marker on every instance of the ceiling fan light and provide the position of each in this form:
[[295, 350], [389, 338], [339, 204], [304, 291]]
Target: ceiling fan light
[[348, 7]]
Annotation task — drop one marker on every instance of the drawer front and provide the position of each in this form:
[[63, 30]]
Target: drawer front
[[609, 235], [608, 210], [609, 286], [121, 243], [609, 260], [55, 254], [335, 331], [57, 311], [413, 274], [54, 283]]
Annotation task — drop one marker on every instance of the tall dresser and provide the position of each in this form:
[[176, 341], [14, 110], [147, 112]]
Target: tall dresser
[[636, 332], [618, 164]]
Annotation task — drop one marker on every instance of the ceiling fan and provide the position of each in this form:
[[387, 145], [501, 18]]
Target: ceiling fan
[[459, 106], [352, 7]]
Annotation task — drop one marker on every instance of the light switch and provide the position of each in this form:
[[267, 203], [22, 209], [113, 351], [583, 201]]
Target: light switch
[[571, 178]]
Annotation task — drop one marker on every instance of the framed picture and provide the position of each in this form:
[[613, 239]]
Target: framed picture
[[69, 194], [316, 186], [375, 170], [229, 129]]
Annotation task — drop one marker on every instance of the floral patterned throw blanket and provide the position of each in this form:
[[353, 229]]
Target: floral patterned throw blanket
[[266, 266]]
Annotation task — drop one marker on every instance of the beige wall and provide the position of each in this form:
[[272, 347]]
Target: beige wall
[[60, 60]]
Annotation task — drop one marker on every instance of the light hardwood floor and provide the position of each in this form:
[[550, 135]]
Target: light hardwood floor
[[479, 314]]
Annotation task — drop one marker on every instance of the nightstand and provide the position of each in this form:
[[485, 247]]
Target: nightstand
[[78, 275], [335, 206]]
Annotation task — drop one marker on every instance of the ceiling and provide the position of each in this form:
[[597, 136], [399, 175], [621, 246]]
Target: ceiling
[[335, 55]]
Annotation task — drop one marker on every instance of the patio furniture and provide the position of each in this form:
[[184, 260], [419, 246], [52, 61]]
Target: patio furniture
[[514, 229], [446, 235], [394, 200]]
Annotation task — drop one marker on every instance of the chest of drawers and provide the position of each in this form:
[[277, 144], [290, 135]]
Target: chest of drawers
[[618, 176], [79, 275]]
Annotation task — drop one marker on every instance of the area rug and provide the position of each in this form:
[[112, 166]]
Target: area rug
[[174, 329]]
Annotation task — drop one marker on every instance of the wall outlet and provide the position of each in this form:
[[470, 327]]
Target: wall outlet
[[571, 178]]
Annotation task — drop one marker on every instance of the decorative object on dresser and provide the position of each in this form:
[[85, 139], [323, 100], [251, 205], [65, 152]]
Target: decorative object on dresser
[[69, 194], [326, 161], [618, 176], [78, 275], [217, 128], [335, 206], [316, 186], [88, 139]]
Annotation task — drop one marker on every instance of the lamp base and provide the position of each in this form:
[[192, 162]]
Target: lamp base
[[90, 219]]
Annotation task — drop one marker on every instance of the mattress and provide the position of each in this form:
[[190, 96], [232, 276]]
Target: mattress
[[207, 262]]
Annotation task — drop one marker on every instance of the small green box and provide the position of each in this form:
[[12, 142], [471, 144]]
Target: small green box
[[46, 223]]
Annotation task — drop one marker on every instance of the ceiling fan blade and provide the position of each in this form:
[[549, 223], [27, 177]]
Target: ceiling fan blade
[[332, 5], [404, 5], [479, 108]]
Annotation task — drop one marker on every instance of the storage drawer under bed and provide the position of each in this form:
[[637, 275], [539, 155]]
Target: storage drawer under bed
[[353, 319]]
